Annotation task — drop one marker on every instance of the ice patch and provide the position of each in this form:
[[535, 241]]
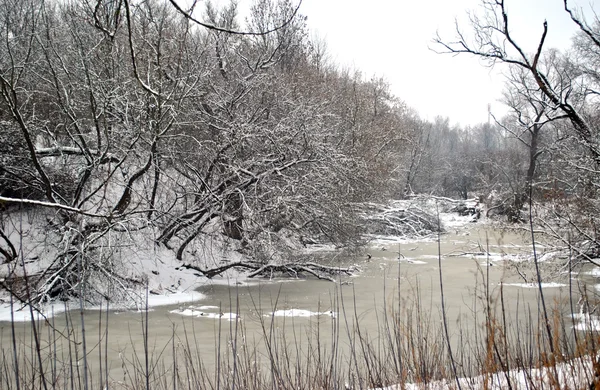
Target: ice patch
[[535, 285], [484, 264], [434, 257], [193, 311], [315, 248], [490, 257], [517, 258], [413, 261], [595, 272], [547, 256], [174, 298], [299, 313], [395, 240], [22, 313], [403, 260]]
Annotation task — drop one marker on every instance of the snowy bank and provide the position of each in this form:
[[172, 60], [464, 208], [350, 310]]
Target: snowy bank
[[573, 374], [22, 313]]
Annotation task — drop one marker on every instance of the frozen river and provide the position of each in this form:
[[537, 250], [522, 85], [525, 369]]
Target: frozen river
[[398, 287]]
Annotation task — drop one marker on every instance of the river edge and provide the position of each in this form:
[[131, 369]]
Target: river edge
[[169, 284], [383, 260]]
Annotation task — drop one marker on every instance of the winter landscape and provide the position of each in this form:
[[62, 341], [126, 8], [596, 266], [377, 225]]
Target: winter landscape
[[194, 196]]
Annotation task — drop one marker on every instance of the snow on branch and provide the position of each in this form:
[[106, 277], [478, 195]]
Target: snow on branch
[[317, 270], [40, 203]]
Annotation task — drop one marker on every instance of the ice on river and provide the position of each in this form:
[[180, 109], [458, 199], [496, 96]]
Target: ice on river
[[200, 312], [594, 272], [535, 285], [299, 313], [412, 261]]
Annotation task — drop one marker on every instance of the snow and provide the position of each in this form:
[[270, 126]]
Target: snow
[[22, 314], [535, 285], [299, 313], [586, 321], [413, 261], [200, 312], [167, 281], [595, 272], [573, 374], [450, 220], [4, 199], [168, 284]]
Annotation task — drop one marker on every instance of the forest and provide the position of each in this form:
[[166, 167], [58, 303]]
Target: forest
[[149, 147], [148, 123]]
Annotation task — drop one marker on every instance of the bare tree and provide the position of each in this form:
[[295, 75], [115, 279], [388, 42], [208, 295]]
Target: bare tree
[[530, 113], [127, 123], [494, 42], [552, 95]]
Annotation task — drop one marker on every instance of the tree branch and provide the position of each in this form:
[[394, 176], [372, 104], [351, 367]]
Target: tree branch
[[210, 26], [53, 205]]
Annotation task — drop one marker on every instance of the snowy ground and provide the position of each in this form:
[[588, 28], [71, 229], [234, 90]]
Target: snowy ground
[[22, 313], [168, 283], [574, 374]]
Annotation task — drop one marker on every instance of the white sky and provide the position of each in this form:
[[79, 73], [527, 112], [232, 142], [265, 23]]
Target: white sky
[[391, 38]]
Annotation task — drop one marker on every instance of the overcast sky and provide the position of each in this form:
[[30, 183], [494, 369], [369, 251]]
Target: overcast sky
[[392, 39]]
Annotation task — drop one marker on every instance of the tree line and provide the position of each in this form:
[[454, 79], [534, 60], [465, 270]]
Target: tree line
[[121, 116]]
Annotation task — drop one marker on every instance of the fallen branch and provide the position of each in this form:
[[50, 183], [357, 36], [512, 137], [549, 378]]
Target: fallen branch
[[443, 198], [317, 270], [210, 273]]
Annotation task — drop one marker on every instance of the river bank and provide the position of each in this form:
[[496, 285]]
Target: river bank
[[397, 293], [386, 318]]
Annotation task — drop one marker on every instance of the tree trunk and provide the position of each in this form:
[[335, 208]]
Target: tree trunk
[[232, 225]]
